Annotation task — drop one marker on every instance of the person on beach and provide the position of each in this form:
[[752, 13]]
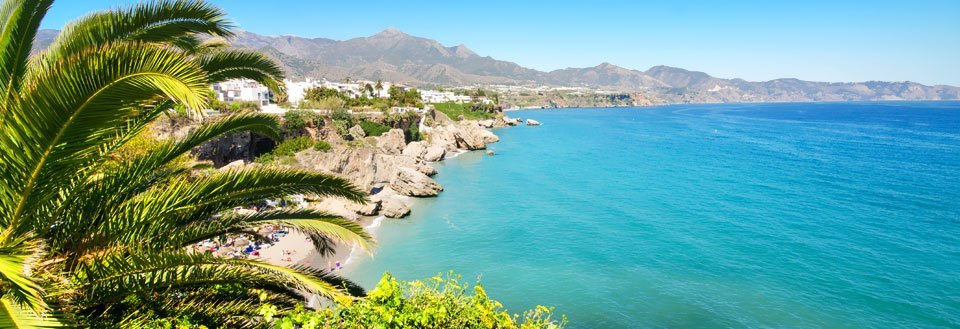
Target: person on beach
[[338, 265]]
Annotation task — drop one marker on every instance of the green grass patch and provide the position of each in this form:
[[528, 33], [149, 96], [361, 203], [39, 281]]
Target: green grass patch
[[373, 129], [455, 110]]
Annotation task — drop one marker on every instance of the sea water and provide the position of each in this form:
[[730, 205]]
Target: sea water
[[839, 215]]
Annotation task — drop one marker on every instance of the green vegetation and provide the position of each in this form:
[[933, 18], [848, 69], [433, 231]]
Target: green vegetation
[[373, 129], [474, 111], [297, 120], [438, 302], [98, 228], [101, 221], [292, 146], [322, 146], [404, 98], [331, 99]]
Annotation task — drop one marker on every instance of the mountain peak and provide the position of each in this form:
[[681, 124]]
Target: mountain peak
[[390, 32], [462, 51]]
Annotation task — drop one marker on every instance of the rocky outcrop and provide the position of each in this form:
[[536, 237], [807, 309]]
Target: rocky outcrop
[[532, 122], [486, 123], [392, 205], [434, 154], [395, 209], [414, 183], [364, 167], [392, 142], [422, 151], [357, 132], [465, 136], [371, 208]]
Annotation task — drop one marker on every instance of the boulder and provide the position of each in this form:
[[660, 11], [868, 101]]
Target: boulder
[[435, 118], [512, 121], [422, 151], [357, 132], [532, 122], [434, 154], [410, 182], [490, 153], [394, 208], [415, 149], [367, 209], [486, 123], [392, 142]]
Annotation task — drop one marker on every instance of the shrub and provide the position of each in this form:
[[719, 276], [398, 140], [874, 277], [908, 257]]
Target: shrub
[[438, 302], [373, 129], [242, 107], [292, 146], [342, 115], [322, 146], [296, 120]]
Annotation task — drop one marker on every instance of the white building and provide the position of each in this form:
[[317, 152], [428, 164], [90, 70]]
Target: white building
[[433, 96], [296, 90], [242, 90]]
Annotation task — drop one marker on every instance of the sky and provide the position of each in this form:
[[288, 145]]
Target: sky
[[758, 40]]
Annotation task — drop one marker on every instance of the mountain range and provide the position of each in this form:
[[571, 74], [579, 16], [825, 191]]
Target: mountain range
[[395, 56]]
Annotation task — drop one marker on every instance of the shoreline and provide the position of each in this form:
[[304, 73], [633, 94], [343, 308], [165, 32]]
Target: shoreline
[[391, 196]]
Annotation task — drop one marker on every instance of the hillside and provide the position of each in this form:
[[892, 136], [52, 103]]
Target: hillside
[[393, 55]]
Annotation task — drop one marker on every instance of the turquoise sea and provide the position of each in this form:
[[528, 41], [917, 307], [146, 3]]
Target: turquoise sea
[[835, 215]]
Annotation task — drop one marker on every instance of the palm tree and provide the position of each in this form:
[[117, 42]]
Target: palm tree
[[379, 87], [90, 236]]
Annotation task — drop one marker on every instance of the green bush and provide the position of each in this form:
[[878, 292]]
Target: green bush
[[296, 120], [322, 146], [342, 115], [373, 129], [438, 302], [292, 146]]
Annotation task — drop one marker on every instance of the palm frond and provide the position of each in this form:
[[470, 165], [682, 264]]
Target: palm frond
[[109, 278], [68, 113], [322, 227], [21, 20], [156, 21], [229, 64], [13, 315], [19, 287]]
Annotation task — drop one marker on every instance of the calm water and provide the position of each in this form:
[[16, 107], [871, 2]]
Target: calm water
[[771, 215]]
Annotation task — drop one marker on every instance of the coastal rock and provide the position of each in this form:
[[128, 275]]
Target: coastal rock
[[410, 182], [367, 209], [532, 122], [415, 149], [435, 118], [364, 167], [486, 123], [391, 142], [434, 154], [512, 121], [490, 153], [394, 209], [422, 151], [357, 132]]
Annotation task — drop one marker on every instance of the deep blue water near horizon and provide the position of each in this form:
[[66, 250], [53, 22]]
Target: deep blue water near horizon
[[839, 215]]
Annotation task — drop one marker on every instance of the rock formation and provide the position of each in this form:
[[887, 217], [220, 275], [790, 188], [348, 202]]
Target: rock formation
[[414, 183], [532, 122], [357, 132]]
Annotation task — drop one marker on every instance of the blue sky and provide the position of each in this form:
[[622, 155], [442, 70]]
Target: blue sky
[[917, 40]]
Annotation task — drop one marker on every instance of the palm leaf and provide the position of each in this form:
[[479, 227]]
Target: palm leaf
[[229, 64], [68, 113], [157, 21], [21, 20], [14, 316]]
